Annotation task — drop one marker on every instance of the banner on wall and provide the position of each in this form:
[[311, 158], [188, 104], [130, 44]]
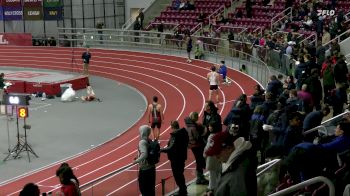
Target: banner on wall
[[53, 13], [16, 39], [32, 13], [32, 3], [52, 3], [13, 13], [1, 13], [11, 3]]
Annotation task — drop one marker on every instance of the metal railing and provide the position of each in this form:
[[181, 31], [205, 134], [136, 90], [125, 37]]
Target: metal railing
[[339, 38], [307, 183], [267, 166], [327, 127], [243, 29], [288, 14], [311, 39], [236, 53], [216, 13]]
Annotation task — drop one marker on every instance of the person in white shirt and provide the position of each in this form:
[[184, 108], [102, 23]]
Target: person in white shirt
[[214, 81]]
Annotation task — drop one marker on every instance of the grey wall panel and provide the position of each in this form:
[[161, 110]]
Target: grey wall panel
[[35, 27], [14, 26]]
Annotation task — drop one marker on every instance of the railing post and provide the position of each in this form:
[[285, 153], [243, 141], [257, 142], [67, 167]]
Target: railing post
[[163, 187]]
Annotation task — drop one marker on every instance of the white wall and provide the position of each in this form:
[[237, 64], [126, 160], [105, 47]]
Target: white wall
[[134, 4], [345, 46]]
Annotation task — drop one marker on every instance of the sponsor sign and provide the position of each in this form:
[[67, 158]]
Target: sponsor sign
[[32, 3], [16, 39], [11, 3], [32, 13], [13, 13], [52, 3], [53, 13]]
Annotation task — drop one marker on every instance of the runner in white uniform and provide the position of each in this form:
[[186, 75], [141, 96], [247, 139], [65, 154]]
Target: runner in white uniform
[[213, 78]]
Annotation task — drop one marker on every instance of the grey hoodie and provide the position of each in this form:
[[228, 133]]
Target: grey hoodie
[[145, 131]]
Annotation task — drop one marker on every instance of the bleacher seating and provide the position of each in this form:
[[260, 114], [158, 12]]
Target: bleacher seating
[[188, 18]]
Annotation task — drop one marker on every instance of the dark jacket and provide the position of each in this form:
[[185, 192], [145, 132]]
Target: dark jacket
[[340, 72], [177, 145], [294, 136], [313, 119], [275, 87], [194, 132]]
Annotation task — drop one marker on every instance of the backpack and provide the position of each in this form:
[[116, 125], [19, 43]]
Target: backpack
[[153, 152]]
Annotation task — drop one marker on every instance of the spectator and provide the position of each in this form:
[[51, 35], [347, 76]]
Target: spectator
[[147, 172], [342, 141], [239, 14], [257, 136], [326, 37], [314, 119], [239, 165], [339, 99], [243, 69], [341, 71], [201, 17], [211, 114], [212, 164], [198, 51], [196, 143], [306, 99], [65, 174], [274, 86], [86, 56], [30, 189], [315, 88], [294, 132], [2, 86], [177, 4], [289, 83], [328, 79], [177, 155], [137, 27], [248, 8], [140, 18], [257, 98], [295, 102]]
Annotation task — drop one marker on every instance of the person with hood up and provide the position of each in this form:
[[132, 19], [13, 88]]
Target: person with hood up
[[147, 172], [239, 165], [196, 143]]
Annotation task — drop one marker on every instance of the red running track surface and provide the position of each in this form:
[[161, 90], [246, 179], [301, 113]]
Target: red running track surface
[[181, 88]]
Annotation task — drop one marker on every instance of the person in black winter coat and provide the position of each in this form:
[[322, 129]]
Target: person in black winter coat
[[177, 155], [301, 72], [340, 98], [274, 86], [314, 119], [315, 88], [294, 132], [211, 114], [340, 71]]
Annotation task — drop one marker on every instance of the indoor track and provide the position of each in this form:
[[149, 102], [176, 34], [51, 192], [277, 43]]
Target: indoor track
[[181, 88]]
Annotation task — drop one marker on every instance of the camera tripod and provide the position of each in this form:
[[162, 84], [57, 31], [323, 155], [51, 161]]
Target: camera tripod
[[22, 145]]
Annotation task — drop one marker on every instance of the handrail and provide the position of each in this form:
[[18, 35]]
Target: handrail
[[307, 183], [199, 26], [107, 175], [321, 126], [267, 166], [309, 37], [316, 129], [232, 27], [216, 12], [337, 116], [131, 20], [260, 29], [337, 38], [289, 13], [166, 23]]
